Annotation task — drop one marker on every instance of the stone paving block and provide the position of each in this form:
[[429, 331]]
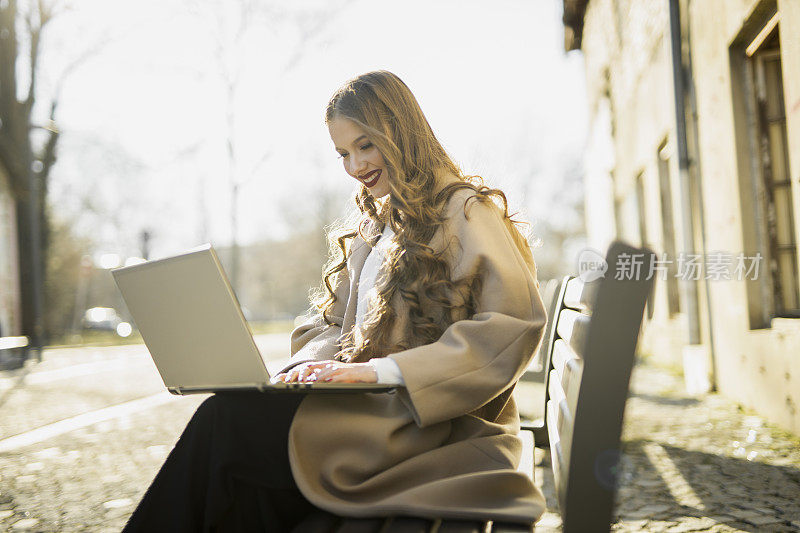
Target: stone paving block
[[645, 512], [657, 526], [648, 483], [24, 524], [744, 514], [684, 527], [764, 520], [721, 519], [724, 528], [631, 525]]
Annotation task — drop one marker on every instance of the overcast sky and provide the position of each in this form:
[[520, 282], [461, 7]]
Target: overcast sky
[[143, 118]]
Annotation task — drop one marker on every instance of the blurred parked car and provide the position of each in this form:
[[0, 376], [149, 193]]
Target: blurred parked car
[[105, 319]]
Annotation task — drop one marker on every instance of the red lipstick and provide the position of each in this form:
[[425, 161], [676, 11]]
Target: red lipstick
[[374, 175]]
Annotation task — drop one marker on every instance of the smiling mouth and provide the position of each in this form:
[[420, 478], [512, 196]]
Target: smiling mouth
[[371, 178]]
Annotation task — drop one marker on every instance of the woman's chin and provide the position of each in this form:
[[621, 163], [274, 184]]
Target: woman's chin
[[379, 190]]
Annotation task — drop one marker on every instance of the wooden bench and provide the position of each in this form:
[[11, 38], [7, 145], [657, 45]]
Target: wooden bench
[[12, 352], [588, 354]]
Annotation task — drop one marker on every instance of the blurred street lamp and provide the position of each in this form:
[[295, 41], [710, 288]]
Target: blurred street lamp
[[145, 236]]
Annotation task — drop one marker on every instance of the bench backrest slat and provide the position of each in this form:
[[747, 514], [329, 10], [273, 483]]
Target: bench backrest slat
[[580, 295], [573, 328]]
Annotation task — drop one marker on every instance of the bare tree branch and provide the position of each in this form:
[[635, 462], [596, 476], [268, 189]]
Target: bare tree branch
[[47, 155], [87, 54], [311, 27], [35, 20]]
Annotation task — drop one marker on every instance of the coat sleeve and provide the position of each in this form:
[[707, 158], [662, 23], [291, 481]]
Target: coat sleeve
[[314, 339], [477, 359]]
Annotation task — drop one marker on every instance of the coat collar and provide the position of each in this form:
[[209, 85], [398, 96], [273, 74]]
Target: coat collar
[[359, 251]]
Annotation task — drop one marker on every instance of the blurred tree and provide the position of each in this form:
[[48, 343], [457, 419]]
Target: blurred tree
[[62, 277], [27, 145]]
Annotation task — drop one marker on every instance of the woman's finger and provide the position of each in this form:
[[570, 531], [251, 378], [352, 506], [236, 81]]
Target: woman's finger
[[310, 371], [304, 373], [294, 374]]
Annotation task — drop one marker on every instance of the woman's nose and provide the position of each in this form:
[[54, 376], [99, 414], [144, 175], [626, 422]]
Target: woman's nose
[[357, 166]]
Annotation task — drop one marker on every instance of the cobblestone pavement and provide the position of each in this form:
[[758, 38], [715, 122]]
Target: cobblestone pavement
[[84, 432], [696, 465]]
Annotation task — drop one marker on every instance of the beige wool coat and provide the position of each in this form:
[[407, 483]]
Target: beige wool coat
[[446, 445]]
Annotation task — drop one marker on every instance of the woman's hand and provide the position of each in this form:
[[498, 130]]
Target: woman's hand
[[329, 372]]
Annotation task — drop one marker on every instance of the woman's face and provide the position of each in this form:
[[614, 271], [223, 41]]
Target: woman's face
[[361, 158]]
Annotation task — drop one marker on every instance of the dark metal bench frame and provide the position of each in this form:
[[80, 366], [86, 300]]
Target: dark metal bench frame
[[589, 350]]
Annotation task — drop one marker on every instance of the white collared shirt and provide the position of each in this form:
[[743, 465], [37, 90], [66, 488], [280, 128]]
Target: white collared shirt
[[386, 369]]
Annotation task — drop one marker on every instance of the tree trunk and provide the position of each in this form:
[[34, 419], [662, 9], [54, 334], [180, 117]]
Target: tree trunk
[[25, 252]]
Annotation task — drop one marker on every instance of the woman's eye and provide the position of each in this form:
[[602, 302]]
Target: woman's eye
[[366, 146], [341, 156]]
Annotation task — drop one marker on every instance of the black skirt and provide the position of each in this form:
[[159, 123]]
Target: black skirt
[[229, 471]]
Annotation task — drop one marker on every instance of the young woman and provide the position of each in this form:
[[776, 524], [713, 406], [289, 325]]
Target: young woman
[[434, 290]]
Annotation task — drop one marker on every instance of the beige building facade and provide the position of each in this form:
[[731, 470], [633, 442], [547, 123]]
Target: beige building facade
[[708, 176]]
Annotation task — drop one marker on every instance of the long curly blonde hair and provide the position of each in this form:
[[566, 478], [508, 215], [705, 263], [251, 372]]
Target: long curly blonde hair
[[384, 107]]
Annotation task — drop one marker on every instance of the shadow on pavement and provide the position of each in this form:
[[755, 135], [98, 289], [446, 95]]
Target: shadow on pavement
[[665, 483], [664, 400]]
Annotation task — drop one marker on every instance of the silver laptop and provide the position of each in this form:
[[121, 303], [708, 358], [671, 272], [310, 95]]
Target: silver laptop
[[194, 328]]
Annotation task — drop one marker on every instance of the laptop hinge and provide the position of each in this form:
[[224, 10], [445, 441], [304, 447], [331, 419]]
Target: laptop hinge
[[175, 390]]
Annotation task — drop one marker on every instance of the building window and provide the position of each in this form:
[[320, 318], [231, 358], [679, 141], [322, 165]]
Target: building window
[[765, 194], [773, 166]]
